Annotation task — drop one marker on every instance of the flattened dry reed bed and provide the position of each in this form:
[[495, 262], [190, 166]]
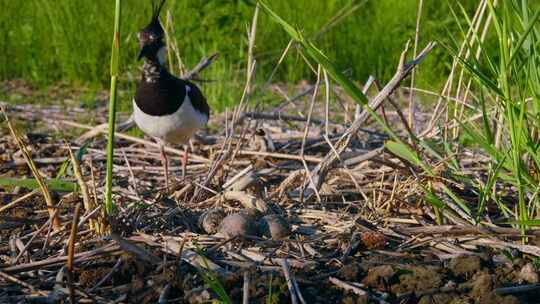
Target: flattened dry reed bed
[[366, 236]]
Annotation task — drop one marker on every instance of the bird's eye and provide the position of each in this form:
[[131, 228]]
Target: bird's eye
[[153, 37]]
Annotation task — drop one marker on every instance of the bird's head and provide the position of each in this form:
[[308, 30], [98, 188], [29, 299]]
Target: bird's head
[[152, 37]]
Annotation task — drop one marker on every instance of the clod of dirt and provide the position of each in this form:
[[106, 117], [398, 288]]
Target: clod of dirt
[[439, 298], [465, 265], [274, 226], [379, 277], [210, 220], [373, 240], [528, 274], [238, 225], [349, 272], [88, 278], [483, 285], [419, 278], [355, 299]]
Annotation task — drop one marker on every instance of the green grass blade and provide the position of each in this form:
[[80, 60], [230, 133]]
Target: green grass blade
[[403, 151], [210, 279], [52, 184], [481, 76], [269, 297], [350, 88], [524, 37], [434, 199]]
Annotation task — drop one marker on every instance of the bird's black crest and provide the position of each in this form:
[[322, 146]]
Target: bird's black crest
[[154, 27], [156, 8]]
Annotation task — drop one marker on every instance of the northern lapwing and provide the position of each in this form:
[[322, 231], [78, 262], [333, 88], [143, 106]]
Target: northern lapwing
[[165, 107]]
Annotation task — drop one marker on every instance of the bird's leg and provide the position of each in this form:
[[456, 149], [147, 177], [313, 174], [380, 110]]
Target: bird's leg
[[165, 164], [185, 161]]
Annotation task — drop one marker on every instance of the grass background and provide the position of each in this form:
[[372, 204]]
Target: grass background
[[69, 41]]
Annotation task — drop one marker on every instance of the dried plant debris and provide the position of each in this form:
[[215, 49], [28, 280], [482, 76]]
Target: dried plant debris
[[242, 220]]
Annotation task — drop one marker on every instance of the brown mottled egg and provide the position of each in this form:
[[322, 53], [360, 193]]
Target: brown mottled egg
[[274, 226], [210, 220], [238, 225]]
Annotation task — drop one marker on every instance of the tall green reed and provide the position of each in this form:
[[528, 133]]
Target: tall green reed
[[508, 85], [115, 55]]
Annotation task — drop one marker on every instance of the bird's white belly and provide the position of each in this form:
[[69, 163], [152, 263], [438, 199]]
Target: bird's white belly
[[175, 128]]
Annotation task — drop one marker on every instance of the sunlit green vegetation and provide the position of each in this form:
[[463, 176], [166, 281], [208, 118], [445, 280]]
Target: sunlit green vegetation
[[69, 41]]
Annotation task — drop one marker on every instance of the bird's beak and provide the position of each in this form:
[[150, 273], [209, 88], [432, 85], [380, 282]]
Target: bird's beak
[[143, 52]]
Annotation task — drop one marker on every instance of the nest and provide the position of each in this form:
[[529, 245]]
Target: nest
[[356, 230]]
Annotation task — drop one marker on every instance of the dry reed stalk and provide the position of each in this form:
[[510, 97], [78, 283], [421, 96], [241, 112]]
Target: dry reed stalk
[[347, 286], [248, 201], [403, 70], [87, 203], [225, 152], [169, 33], [413, 73], [306, 131], [136, 140], [462, 106], [447, 88], [251, 38], [35, 172], [13, 279], [107, 250], [19, 200], [365, 89], [287, 274], [71, 251], [245, 289], [36, 233], [131, 174]]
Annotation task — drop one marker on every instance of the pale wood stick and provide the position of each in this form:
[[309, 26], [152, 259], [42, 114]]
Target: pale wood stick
[[349, 287], [311, 159], [403, 70], [88, 255], [135, 250], [413, 73], [245, 294], [164, 294], [19, 200], [247, 200], [287, 274], [136, 140], [88, 205], [71, 251], [13, 279], [35, 172]]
